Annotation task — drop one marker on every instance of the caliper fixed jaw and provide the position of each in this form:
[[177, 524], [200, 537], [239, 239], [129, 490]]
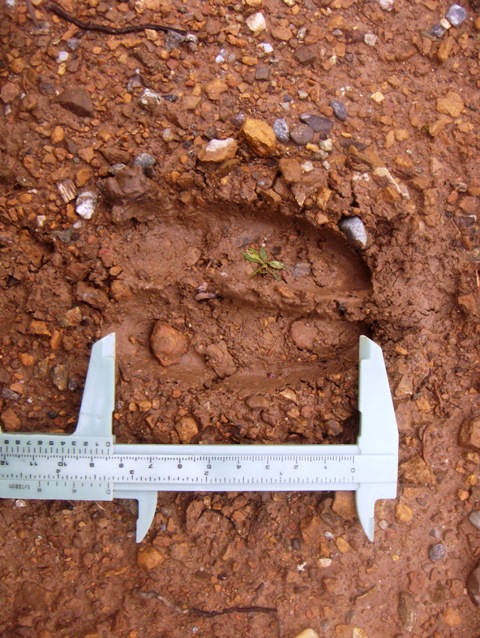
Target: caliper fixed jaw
[[378, 432]]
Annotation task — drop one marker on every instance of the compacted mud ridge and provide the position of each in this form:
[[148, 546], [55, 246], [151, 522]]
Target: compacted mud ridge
[[137, 171]]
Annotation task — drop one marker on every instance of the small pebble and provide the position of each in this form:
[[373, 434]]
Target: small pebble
[[474, 518], [85, 204], [473, 585], [301, 134], [354, 230], [437, 31], [302, 95], [256, 23], [339, 109], [317, 123], [445, 24], [387, 5], [220, 58], [266, 47], [146, 162], [149, 99], [62, 56], [437, 552], [19, 502], [238, 120], [370, 39], [73, 44], [456, 15], [307, 167], [326, 145], [281, 130]]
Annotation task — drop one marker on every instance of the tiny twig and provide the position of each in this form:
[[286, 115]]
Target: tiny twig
[[93, 26], [31, 13]]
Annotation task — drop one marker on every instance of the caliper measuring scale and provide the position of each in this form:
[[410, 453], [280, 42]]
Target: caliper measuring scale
[[90, 465]]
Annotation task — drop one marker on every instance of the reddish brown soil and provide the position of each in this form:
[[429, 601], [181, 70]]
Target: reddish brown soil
[[228, 565]]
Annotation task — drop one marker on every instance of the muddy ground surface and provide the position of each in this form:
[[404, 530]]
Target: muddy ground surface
[[241, 358]]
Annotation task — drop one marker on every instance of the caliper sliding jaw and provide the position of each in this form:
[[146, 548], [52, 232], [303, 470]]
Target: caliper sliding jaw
[[371, 465]]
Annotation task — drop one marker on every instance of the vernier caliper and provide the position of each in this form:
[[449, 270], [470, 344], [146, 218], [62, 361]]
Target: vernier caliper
[[89, 465]]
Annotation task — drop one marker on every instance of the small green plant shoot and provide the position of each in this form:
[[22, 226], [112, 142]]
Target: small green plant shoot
[[266, 266]]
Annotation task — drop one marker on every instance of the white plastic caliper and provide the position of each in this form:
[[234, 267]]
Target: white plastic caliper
[[89, 465]]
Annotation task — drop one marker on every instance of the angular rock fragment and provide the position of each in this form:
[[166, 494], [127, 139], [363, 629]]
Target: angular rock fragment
[[469, 435], [186, 429], [318, 123], [167, 344], [78, 101], [218, 150], [259, 136], [92, 296], [354, 230], [149, 558]]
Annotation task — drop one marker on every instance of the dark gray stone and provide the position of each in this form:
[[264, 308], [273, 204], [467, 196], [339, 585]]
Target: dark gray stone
[[339, 109], [281, 130], [437, 552], [318, 123], [301, 134]]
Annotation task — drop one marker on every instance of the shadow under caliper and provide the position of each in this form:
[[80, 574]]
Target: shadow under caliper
[[89, 465]]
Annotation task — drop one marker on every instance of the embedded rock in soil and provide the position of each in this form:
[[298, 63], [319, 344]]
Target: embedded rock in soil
[[215, 88], [10, 420], [473, 585], [305, 55], [132, 194], [469, 436], [219, 358], [416, 472], [167, 344], [354, 229], [218, 150], [407, 610], [186, 429], [91, 296], [303, 334], [451, 104], [78, 101], [344, 505], [290, 169], [149, 558], [437, 552], [259, 136]]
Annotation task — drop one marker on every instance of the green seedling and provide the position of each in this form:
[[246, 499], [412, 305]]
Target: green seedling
[[266, 265]]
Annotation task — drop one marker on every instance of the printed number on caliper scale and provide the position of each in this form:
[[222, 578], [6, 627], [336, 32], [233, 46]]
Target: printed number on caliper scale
[[89, 465]]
